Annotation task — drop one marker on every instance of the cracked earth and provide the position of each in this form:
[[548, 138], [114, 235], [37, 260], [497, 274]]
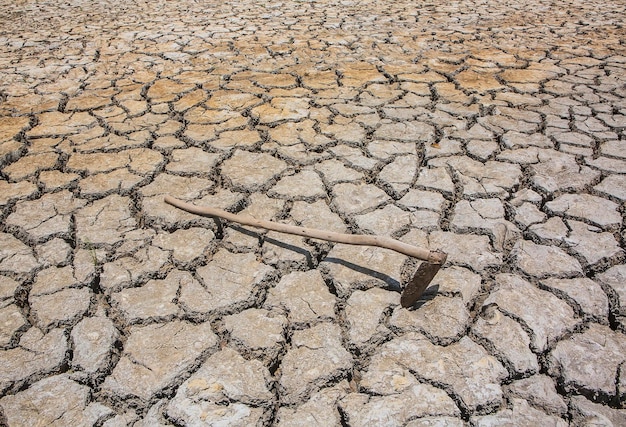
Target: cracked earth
[[493, 131]]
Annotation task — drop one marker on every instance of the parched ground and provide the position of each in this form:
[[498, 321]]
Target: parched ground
[[494, 131]]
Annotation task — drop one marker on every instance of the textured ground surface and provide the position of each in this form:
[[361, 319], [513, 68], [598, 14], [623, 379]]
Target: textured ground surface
[[494, 131]]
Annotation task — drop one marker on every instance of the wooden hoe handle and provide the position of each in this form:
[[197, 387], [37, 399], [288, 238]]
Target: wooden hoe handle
[[432, 257]]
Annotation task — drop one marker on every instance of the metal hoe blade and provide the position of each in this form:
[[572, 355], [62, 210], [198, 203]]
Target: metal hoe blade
[[420, 281]]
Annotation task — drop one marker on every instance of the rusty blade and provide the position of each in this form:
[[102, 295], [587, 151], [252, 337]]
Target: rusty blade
[[418, 284]]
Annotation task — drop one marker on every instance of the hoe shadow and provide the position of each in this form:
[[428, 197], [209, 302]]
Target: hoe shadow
[[275, 242], [290, 247], [392, 284], [245, 231]]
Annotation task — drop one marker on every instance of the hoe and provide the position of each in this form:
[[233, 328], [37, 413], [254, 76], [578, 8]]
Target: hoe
[[433, 260]]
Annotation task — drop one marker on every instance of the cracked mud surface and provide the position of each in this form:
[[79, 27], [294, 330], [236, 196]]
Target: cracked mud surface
[[494, 132]]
